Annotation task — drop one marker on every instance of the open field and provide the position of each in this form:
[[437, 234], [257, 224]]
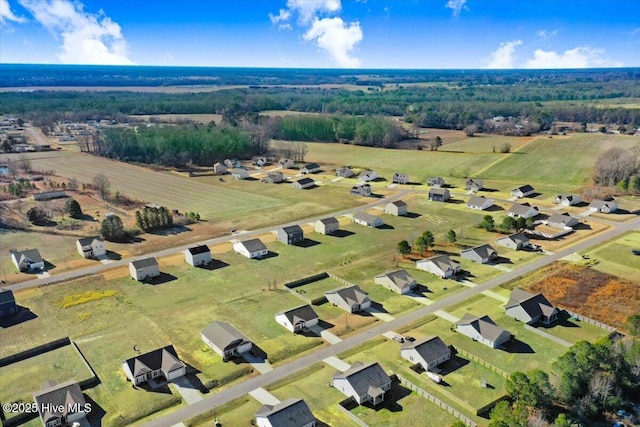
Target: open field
[[616, 258]]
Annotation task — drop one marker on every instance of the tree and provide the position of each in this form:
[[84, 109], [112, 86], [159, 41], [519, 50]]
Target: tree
[[102, 185], [532, 389], [37, 216], [73, 184], [635, 184], [404, 248], [435, 143], [422, 244], [72, 207], [452, 237], [505, 148], [488, 223], [505, 415], [508, 224], [633, 325], [112, 229], [562, 421], [25, 163], [429, 239], [614, 165]]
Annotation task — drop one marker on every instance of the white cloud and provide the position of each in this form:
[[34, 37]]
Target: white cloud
[[337, 39], [546, 35], [283, 15], [579, 57], [456, 6], [503, 56], [86, 38], [309, 9], [6, 14]]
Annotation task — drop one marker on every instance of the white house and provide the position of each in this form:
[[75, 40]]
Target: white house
[[440, 265], [400, 178], [474, 185], [481, 254], [479, 203], [303, 183], [483, 330], [530, 308], [363, 382], [219, 169], [327, 225], [351, 299], [515, 241], [524, 210], [397, 281], [156, 366], [288, 413], [239, 173], [198, 255], [91, 247], [27, 260], [225, 340], [298, 319], [368, 220], [285, 163], [604, 206], [523, 191], [397, 208], [144, 269], [253, 248], [310, 168], [428, 352], [61, 404], [567, 199], [344, 172], [368, 175]]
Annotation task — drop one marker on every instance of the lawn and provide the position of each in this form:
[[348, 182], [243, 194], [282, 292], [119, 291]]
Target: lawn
[[239, 412], [317, 289], [616, 258]]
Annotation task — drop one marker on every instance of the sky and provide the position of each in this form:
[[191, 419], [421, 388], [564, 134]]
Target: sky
[[409, 34]]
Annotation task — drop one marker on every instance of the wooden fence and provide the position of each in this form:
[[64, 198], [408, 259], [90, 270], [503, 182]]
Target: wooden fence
[[352, 417], [482, 362], [590, 321], [340, 279]]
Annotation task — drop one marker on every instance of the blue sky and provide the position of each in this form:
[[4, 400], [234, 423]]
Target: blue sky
[[324, 33]]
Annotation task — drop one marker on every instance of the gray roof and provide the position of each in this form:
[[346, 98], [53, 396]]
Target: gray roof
[[329, 220], [400, 278], [429, 349], [223, 335], [289, 413], [520, 209], [562, 217], [164, 358], [58, 396], [439, 191], [516, 238], [483, 251], [6, 296], [143, 263], [600, 203], [363, 216], [293, 229], [443, 262], [254, 245], [477, 201], [351, 295], [364, 376], [533, 304], [476, 181], [568, 197], [87, 241], [32, 255], [484, 325], [199, 250], [399, 204], [303, 313]]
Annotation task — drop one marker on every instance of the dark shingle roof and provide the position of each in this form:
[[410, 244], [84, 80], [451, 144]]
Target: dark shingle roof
[[164, 358], [533, 304], [329, 221], [305, 181], [438, 191], [311, 166], [289, 413], [254, 245], [484, 325], [520, 209], [303, 313], [516, 238], [400, 278], [428, 348], [363, 216], [55, 396], [143, 263], [223, 335], [524, 188], [399, 204], [32, 255], [196, 250], [87, 241], [351, 295], [293, 229], [363, 376], [477, 201], [483, 251], [6, 296]]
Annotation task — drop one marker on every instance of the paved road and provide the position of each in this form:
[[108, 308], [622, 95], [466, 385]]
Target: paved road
[[283, 371]]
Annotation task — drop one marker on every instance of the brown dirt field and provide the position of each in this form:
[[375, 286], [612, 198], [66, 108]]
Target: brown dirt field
[[597, 295]]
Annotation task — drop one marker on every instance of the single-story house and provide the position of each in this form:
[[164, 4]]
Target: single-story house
[[523, 191], [303, 183], [363, 382], [310, 168], [27, 260], [397, 208], [400, 178], [562, 220], [198, 255], [428, 352], [144, 269], [367, 220], [439, 194], [219, 169], [290, 235], [482, 254], [567, 199], [474, 184], [239, 173], [479, 203], [253, 248], [60, 404], [515, 241], [524, 210], [259, 161], [50, 194], [482, 329], [285, 163], [398, 281], [225, 340], [367, 176], [436, 181], [327, 225], [344, 172], [530, 308], [91, 247], [361, 189], [351, 299], [604, 206], [157, 364], [298, 319], [232, 163], [288, 413], [440, 265], [8, 304], [273, 177]]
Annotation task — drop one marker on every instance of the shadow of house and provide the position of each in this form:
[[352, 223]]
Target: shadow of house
[[24, 314], [307, 243], [97, 413], [494, 208], [342, 234], [114, 256], [215, 264], [453, 364], [514, 345], [386, 227], [413, 215], [160, 279]]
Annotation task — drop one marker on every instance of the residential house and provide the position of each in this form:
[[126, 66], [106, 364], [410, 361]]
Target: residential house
[[253, 248], [286, 163], [524, 210], [482, 329], [61, 404], [604, 206], [567, 199], [482, 254], [530, 308], [361, 189], [48, 195], [367, 220], [562, 220], [232, 163], [27, 260], [198, 255], [144, 269], [515, 241], [219, 169], [225, 340], [398, 281], [8, 304], [397, 208], [154, 366], [523, 191], [303, 183], [298, 319], [479, 203], [368, 175], [273, 177], [400, 178], [344, 172], [474, 184], [428, 352], [363, 382], [91, 247], [439, 194], [351, 299], [290, 235], [259, 161], [440, 265], [239, 173], [327, 225], [436, 182], [288, 413], [310, 168]]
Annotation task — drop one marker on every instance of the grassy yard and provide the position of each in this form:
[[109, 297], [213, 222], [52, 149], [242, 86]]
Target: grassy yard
[[616, 258]]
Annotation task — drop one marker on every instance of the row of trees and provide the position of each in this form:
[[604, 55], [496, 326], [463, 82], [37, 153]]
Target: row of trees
[[616, 165], [508, 224], [424, 242], [153, 218]]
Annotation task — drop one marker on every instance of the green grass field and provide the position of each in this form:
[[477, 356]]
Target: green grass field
[[616, 258]]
